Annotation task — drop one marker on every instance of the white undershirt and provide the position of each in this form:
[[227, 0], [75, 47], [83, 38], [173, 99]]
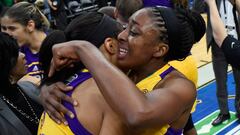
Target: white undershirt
[[228, 18]]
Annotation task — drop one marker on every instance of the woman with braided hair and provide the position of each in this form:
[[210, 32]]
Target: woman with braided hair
[[188, 66], [163, 98]]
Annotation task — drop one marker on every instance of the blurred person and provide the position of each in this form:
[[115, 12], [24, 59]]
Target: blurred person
[[220, 64], [108, 10], [58, 13], [228, 44], [7, 3], [20, 107], [29, 27]]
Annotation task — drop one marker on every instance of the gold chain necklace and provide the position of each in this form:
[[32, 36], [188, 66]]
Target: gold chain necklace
[[35, 119]]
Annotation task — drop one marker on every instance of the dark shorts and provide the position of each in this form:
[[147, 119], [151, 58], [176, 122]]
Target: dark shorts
[[189, 124]]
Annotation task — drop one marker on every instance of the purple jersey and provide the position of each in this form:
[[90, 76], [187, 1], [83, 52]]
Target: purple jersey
[[152, 3], [34, 68], [75, 125]]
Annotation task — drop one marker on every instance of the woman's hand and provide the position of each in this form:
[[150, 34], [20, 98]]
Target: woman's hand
[[51, 97], [64, 55]]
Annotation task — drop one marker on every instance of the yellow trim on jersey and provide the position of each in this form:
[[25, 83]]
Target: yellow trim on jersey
[[33, 63], [147, 85], [35, 72], [85, 70], [188, 67], [48, 127]]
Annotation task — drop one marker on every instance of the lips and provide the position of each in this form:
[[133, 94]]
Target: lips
[[122, 52]]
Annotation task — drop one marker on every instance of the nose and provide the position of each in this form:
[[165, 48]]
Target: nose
[[123, 36]]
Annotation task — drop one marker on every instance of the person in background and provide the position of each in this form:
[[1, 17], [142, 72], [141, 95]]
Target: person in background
[[228, 44], [220, 64], [108, 10], [20, 107], [125, 8], [25, 23], [58, 13]]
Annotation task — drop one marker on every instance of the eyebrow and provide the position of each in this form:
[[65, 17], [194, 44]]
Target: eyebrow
[[135, 22]]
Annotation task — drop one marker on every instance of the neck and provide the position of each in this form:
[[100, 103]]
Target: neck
[[36, 40], [141, 73]]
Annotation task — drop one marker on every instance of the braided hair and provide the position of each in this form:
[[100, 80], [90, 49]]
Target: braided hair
[[23, 12], [180, 35]]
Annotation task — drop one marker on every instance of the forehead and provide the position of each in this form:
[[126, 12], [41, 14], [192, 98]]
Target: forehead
[[141, 17], [8, 21]]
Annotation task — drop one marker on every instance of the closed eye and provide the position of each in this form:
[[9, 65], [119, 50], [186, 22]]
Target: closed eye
[[132, 33]]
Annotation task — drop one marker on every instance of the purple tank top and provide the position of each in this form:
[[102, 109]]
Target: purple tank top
[[34, 68], [170, 130], [74, 124]]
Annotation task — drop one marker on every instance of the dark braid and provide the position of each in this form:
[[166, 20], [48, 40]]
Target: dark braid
[[189, 29], [160, 24]]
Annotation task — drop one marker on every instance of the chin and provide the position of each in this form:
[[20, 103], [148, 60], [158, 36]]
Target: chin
[[20, 44]]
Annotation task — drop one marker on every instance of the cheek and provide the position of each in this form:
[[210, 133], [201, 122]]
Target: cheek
[[20, 37]]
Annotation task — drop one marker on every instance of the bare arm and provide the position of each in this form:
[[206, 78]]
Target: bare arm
[[162, 106], [218, 28]]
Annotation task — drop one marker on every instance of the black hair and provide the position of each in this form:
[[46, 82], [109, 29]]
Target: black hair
[[127, 7], [180, 35], [93, 27], [45, 52], [9, 51], [23, 12]]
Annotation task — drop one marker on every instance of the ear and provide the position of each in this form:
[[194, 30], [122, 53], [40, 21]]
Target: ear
[[30, 26], [110, 45], [160, 50]]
